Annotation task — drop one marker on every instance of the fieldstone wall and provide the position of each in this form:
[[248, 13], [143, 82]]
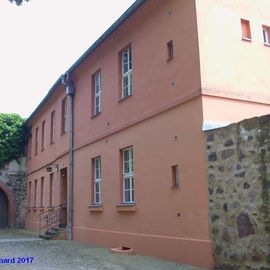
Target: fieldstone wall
[[239, 193], [13, 176]]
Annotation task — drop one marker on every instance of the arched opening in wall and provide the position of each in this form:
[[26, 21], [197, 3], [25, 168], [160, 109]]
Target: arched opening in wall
[[3, 210], [7, 206]]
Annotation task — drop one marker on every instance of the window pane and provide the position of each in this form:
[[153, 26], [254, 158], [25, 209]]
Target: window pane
[[97, 187], [127, 196], [127, 184]]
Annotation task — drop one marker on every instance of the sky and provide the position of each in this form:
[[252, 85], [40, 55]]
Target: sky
[[41, 39]]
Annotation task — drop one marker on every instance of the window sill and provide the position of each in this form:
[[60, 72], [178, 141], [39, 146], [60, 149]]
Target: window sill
[[267, 44], [128, 207], [95, 115], [34, 208], [246, 39], [41, 209], [95, 208], [124, 98]]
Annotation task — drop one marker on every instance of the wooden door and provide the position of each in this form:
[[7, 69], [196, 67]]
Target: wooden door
[[3, 210]]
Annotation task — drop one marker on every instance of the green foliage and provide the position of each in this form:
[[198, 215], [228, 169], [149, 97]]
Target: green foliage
[[13, 137], [18, 2]]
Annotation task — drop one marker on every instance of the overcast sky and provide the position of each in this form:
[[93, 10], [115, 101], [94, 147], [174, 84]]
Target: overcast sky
[[41, 39]]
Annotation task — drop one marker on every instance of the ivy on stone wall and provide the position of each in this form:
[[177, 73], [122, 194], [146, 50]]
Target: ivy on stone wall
[[13, 137]]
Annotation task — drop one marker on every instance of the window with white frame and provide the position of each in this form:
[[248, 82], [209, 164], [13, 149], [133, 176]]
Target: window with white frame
[[97, 93], [266, 34], [126, 60], [64, 116], [128, 175], [97, 180]]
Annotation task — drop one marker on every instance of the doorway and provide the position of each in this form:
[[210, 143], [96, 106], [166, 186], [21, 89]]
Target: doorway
[[3, 210], [63, 194]]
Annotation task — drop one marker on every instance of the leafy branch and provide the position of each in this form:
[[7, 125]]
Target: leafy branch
[[13, 137]]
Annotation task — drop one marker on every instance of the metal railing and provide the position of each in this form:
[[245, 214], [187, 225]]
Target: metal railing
[[52, 218]]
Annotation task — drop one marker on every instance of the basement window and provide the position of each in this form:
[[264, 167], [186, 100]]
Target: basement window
[[175, 176], [246, 33]]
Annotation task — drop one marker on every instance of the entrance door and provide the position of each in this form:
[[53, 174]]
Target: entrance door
[[63, 194], [3, 210]]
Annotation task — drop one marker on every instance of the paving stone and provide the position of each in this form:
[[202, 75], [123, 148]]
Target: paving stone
[[70, 255]]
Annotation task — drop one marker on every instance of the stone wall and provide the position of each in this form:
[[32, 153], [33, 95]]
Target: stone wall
[[239, 193], [13, 183]]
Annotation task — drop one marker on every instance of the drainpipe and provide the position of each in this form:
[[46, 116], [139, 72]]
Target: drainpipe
[[70, 91]]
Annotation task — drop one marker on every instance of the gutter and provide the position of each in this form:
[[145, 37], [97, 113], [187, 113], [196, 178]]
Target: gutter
[[70, 91]]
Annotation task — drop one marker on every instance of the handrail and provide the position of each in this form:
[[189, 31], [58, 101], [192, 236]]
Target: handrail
[[52, 218]]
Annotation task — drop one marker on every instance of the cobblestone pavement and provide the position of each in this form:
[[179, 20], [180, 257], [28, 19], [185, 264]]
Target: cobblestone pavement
[[69, 255]]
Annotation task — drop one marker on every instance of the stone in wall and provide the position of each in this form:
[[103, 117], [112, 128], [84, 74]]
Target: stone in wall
[[238, 161]]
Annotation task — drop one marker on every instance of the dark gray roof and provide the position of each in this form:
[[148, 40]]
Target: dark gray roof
[[132, 9]]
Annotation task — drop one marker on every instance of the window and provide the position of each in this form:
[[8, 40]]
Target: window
[[126, 68], [35, 194], [30, 147], [42, 192], [51, 190], [97, 180], [170, 50], [64, 116], [29, 193], [43, 136], [128, 175], [266, 34], [53, 127], [175, 176], [36, 141], [246, 34], [96, 104]]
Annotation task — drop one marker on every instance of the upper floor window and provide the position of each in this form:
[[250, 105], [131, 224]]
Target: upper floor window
[[64, 116], [53, 127], [36, 141], [246, 33], [96, 93], [266, 34], [126, 69], [30, 147], [97, 180], [128, 175], [43, 135]]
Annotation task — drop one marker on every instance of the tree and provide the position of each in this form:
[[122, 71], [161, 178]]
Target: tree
[[13, 137], [18, 2]]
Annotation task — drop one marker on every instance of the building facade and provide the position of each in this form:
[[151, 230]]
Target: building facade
[[126, 152]]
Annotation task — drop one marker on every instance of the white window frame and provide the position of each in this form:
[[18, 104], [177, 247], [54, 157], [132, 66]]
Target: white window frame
[[128, 175], [97, 180], [126, 62], [97, 93], [266, 37]]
